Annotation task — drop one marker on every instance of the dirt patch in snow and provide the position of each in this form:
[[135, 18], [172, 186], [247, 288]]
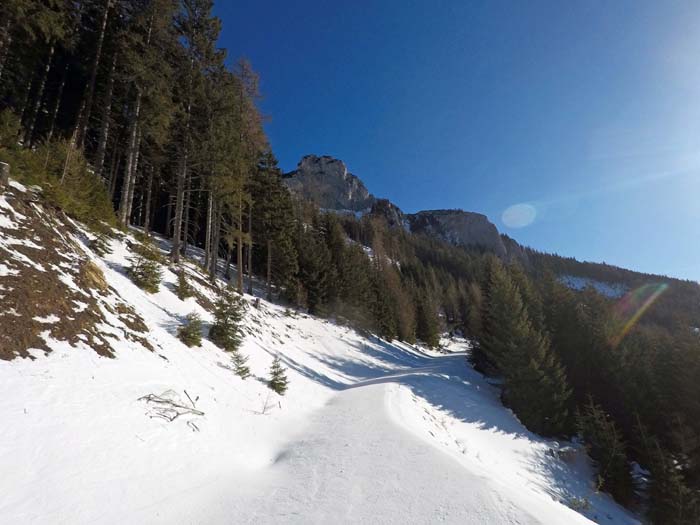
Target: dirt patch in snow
[[50, 277]]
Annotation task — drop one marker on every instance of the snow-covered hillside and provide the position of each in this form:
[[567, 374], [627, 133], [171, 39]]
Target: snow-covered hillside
[[612, 290], [368, 432]]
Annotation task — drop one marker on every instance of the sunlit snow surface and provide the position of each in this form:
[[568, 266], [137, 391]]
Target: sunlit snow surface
[[369, 432]]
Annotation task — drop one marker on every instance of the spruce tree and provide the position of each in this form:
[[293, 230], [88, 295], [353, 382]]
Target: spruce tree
[[278, 378], [427, 323], [240, 364], [183, 289], [145, 273], [605, 445], [535, 383], [191, 332], [228, 316]]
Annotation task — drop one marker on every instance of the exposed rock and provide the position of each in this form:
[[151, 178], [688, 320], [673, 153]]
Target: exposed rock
[[462, 228], [391, 213], [327, 182]]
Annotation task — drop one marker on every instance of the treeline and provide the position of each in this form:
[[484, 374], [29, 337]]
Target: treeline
[[571, 366], [133, 99]]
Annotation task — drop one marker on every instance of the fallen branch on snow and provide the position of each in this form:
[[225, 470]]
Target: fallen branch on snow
[[169, 406]]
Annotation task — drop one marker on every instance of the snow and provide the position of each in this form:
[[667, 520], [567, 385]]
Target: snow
[[612, 290], [49, 319], [368, 432]]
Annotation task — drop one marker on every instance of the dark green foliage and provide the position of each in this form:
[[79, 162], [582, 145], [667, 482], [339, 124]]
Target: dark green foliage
[[535, 384], [427, 323], [183, 289], [240, 364], [226, 331], [278, 377], [670, 498], [191, 332], [605, 445], [64, 177], [145, 273], [316, 273]]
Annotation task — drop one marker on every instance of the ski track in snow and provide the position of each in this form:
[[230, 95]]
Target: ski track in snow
[[369, 431]]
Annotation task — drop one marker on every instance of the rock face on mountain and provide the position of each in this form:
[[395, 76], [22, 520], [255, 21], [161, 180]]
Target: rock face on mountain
[[390, 212], [327, 182], [463, 228]]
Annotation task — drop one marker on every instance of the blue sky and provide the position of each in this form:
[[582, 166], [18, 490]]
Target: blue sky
[[586, 112]]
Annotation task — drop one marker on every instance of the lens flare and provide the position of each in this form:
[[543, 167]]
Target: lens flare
[[633, 305], [519, 215]]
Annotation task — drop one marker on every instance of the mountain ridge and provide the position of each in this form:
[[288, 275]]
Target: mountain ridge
[[326, 181]]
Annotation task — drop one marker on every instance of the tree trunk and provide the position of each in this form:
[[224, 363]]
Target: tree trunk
[[85, 118], [5, 51], [169, 215], [239, 245], [207, 234], [106, 115], [182, 172], [250, 248], [149, 196], [57, 105], [216, 239], [25, 98], [131, 151], [114, 168], [188, 199], [29, 132], [134, 175], [269, 270]]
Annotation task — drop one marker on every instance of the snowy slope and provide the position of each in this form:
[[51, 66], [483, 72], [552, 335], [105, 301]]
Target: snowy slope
[[368, 432], [612, 290]]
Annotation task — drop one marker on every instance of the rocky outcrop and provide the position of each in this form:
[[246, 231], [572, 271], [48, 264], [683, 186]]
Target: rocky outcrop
[[327, 182], [388, 211], [461, 228]]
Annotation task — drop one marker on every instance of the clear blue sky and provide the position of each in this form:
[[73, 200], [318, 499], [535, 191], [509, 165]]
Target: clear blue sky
[[588, 111]]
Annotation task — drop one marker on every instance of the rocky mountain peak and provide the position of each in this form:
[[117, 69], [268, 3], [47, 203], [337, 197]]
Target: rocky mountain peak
[[326, 181]]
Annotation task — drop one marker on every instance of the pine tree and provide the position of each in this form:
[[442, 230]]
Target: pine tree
[[427, 323], [240, 364], [191, 332], [228, 316], [605, 445], [278, 378], [535, 383], [183, 289], [145, 273], [671, 500]]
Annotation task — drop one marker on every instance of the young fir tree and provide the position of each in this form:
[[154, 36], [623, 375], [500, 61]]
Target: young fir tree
[[278, 378], [605, 445], [191, 332], [183, 289], [145, 273], [228, 316], [240, 364]]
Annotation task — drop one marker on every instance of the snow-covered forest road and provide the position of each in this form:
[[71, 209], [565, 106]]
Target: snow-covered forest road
[[355, 463]]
